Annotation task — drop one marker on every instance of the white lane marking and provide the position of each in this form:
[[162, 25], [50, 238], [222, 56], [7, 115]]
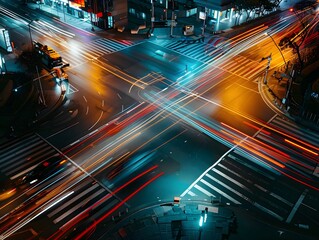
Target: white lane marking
[[191, 193], [68, 127], [227, 187], [61, 217], [258, 186], [61, 207], [309, 207], [268, 211], [220, 192], [101, 114], [295, 208], [204, 191], [204, 173], [231, 180]]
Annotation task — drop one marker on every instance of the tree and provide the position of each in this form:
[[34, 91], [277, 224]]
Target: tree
[[249, 6]]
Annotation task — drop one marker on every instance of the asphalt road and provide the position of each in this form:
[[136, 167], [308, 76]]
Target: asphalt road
[[210, 118]]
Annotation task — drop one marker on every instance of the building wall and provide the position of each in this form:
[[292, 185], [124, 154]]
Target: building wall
[[119, 12], [219, 5]]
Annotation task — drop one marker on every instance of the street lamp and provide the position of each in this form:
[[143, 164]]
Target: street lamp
[[267, 34], [173, 18], [299, 19]]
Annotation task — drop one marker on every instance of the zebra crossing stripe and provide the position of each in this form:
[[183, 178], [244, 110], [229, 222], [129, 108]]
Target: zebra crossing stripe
[[191, 193], [305, 135], [106, 47], [227, 187], [204, 191], [61, 217], [268, 211], [16, 166], [91, 48], [231, 179], [240, 59], [257, 186], [220, 191], [204, 173], [228, 64], [61, 207], [13, 144]]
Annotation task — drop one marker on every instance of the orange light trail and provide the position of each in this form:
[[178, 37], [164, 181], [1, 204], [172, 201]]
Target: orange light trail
[[258, 129], [301, 147], [261, 155]]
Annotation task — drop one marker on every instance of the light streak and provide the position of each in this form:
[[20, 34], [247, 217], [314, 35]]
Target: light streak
[[263, 156], [301, 147], [85, 232], [85, 213], [33, 215]]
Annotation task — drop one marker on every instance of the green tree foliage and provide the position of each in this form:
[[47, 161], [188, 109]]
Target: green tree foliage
[[257, 6]]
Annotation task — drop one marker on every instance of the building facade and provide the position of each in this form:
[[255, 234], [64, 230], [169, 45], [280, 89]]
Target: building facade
[[131, 13], [102, 13]]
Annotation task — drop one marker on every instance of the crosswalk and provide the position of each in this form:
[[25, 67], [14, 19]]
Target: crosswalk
[[21, 155], [241, 179], [75, 206], [93, 50], [75, 191], [237, 180], [243, 67], [199, 51], [300, 143], [206, 53]]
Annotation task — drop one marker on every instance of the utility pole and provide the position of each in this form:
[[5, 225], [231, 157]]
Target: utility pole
[[29, 25], [153, 15], [41, 95], [290, 81], [173, 18], [204, 22], [166, 7], [267, 68]]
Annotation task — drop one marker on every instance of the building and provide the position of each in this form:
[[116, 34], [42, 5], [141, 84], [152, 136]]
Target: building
[[216, 11], [102, 13], [131, 13]]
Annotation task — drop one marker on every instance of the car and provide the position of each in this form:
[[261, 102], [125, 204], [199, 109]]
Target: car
[[45, 169], [7, 189]]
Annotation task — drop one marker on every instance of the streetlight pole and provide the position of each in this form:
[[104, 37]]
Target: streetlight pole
[[41, 95], [267, 68], [173, 20], [204, 22], [153, 15], [29, 25]]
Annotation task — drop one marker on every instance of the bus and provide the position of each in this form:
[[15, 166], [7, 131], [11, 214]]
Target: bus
[[49, 57]]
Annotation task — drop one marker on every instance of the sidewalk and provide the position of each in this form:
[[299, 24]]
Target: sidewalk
[[181, 221], [292, 104], [21, 109]]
